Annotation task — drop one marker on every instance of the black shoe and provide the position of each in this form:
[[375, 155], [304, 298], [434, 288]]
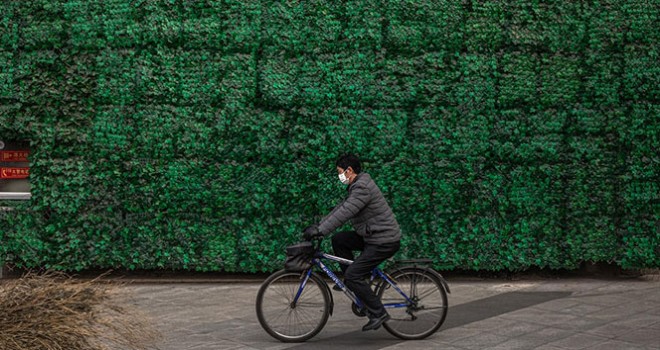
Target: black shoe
[[376, 322]]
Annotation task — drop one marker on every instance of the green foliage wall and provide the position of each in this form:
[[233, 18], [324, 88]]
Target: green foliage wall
[[202, 134]]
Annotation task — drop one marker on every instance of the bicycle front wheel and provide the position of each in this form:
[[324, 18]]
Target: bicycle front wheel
[[426, 309], [286, 319]]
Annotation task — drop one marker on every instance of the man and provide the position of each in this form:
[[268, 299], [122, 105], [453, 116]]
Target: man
[[377, 234]]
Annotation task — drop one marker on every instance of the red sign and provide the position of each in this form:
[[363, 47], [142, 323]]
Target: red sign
[[14, 173], [14, 156]]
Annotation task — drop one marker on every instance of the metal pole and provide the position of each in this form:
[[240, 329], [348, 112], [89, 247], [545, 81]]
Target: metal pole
[[15, 195]]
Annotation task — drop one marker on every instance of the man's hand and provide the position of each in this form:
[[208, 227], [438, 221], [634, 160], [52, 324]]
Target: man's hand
[[310, 232]]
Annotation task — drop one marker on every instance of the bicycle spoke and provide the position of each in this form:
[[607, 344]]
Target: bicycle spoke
[[427, 293], [288, 321], [427, 311]]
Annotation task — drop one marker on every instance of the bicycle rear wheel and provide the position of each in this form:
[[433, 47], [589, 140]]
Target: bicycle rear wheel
[[288, 321], [426, 313]]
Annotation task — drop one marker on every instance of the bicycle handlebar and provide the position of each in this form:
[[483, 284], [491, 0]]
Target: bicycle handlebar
[[316, 242]]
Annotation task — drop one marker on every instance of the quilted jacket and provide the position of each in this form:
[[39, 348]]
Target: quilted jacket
[[365, 206]]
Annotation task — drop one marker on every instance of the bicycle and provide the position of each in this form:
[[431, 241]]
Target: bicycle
[[294, 306]]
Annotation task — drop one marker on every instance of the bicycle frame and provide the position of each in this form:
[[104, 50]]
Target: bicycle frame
[[376, 272]]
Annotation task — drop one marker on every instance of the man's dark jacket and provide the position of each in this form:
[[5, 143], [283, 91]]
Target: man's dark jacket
[[365, 206]]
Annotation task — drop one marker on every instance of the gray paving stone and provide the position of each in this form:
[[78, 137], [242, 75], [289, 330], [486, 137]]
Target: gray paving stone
[[581, 324], [558, 305], [594, 314], [610, 330], [518, 344], [655, 325], [421, 345], [483, 340], [536, 316], [619, 312], [603, 300], [549, 335], [655, 311], [517, 329], [491, 324], [454, 334], [616, 345], [579, 341], [646, 336], [582, 309]]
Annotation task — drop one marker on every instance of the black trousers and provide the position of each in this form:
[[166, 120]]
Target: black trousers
[[343, 244]]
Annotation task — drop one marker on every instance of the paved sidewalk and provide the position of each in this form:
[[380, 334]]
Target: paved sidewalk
[[547, 314]]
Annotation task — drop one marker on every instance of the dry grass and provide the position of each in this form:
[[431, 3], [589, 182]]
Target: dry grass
[[55, 312]]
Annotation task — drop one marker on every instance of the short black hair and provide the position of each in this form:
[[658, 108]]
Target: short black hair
[[349, 160]]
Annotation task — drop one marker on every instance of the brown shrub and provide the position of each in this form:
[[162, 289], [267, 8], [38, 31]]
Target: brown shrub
[[53, 311]]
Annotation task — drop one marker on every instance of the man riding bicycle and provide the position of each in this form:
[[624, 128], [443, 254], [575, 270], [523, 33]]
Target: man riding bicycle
[[376, 234]]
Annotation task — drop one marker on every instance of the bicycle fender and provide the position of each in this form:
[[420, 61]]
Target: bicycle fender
[[439, 276], [327, 288], [443, 281], [433, 272]]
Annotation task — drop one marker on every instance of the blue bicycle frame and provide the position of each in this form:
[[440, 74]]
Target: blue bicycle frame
[[376, 272]]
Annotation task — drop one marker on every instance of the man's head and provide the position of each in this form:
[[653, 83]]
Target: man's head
[[348, 166]]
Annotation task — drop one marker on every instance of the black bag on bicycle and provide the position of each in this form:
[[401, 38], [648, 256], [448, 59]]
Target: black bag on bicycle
[[299, 257]]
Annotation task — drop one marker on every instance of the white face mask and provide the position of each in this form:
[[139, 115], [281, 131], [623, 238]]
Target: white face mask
[[343, 178]]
